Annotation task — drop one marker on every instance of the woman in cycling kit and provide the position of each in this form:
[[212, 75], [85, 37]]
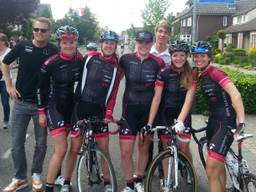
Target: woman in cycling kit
[[95, 97], [225, 108], [174, 93], [56, 96], [140, 69]]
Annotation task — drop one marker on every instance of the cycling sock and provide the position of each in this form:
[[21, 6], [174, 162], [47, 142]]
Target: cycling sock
[[49, 187], [130, 183], [67, 181], [139, 178], [106, 181]]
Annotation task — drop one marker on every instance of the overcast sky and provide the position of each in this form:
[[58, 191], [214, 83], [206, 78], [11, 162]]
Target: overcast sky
[[115, 14]]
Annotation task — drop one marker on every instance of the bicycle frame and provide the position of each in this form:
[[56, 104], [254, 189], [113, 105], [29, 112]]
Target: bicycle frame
[[173, 150], [88, 146], [237, 180]]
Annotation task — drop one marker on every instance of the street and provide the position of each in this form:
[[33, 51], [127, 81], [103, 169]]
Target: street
[[6, 165]]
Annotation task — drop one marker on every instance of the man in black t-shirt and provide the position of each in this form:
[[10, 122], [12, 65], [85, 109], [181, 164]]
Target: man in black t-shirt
[[31, 55]]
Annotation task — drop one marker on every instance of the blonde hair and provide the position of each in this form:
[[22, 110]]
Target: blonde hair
[[44, 20], [187, 76], [164, 24], [4, 38]]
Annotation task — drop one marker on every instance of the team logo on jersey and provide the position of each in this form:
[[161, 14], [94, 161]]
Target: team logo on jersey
[[46, 51], [211, 146], [28, 49]]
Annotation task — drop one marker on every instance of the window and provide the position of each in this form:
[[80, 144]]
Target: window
[[225, 21], [184, 22], [186, 38], [244, 18], [234, 20], [253, 37], [189, 22], [239, 19]]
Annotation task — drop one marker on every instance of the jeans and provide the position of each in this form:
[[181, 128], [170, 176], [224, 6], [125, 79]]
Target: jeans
[[5, 101], [21, 115]]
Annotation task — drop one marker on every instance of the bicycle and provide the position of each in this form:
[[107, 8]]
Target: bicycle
[[89, 175], [239, 174], [180, 175]]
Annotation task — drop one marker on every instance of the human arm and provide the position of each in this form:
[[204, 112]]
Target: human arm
[[112, 100], [11, 89], [42, 94], [237, 103], [187, 104]]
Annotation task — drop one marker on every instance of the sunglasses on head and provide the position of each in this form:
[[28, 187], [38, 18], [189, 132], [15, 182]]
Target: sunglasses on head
[[41, 30]]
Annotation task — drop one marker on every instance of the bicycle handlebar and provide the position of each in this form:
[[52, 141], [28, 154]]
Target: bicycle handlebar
[[84, 122]]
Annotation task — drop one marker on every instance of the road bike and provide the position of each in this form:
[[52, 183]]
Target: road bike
[[239, 176], [89, 174], [179, 173]]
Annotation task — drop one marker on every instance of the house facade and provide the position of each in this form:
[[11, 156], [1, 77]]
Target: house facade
[[209, 18], [242, 32]]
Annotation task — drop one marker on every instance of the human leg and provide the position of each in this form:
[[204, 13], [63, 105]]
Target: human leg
[[5, 103], [41, 144], [214, 170], [60, 148], [20, 120]]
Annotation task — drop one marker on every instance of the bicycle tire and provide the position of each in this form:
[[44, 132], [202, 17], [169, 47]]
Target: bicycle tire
[[153, 182], [82, 181], [248, 182]]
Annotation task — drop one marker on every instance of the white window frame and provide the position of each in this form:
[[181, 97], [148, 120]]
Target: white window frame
[[189, 22], [225, 21]]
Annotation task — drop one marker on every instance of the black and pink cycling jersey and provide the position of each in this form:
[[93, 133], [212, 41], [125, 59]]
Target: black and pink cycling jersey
[[173, 98], [56, 89], [212, 81], [222, 116], [140, 77]]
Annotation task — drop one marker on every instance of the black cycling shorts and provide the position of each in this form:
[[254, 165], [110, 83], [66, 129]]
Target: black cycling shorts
[[219, 137], [135, 117], [166, 117], [85, 110], [59, 117]]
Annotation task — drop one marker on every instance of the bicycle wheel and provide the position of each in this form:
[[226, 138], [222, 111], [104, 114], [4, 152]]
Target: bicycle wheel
[[186, 174], [89, 175], [248, 182]]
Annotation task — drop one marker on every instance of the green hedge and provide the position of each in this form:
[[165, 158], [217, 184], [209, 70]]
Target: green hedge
[[245, 83]]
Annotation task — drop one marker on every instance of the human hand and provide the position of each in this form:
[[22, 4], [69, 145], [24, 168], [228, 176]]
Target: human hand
[[178, 127], [13, 93]]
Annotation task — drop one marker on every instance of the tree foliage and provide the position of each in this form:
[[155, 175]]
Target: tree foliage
[[221, 34], [16, 11], [154, 12], [87, 24]]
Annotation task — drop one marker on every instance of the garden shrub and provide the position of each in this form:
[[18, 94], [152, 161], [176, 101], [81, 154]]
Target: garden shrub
[[252, 51], [239, 52]]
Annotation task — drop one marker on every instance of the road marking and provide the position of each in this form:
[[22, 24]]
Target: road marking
[[7, 154]]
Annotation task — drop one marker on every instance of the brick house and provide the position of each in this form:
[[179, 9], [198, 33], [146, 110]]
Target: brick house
[[210, 18], [242, 32]]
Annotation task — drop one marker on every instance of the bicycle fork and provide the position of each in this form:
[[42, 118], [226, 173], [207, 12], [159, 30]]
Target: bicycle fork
[[172, 161]]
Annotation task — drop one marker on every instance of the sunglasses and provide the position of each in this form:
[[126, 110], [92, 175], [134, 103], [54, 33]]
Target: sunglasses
[[41, 30]]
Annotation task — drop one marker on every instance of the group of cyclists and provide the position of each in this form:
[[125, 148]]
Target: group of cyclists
[[159, 90]]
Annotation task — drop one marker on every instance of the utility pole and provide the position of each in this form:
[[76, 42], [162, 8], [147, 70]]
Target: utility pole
[[194, 21]]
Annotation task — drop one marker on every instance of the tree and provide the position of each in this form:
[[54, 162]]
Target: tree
[[86, 24], [154, 12], [221, 35], [16, 11]]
